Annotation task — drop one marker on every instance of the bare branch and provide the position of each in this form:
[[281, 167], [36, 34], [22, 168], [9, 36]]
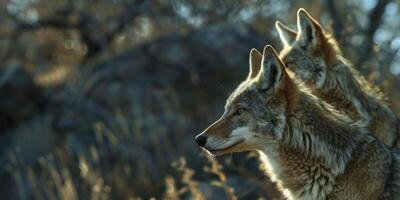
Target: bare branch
[[337, 21], [85, 25], [375, 18]]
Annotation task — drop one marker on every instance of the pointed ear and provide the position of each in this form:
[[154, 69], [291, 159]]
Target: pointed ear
[[255, 63], [272, 70], [309, 29], [286, 34]]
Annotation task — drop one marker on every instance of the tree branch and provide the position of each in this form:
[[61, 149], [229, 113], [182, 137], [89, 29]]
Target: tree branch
[[85, 26], [337, 21], [375, 18]]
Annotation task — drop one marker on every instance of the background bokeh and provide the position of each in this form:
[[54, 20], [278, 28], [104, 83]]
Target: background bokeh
[[101, 99]]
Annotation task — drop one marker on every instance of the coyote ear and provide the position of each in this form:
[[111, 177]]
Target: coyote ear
[[308, 28], [286, 34], [272, 70], [255, 63]]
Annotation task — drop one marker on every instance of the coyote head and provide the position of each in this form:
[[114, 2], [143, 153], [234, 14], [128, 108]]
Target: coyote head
[[308, 52], [255, 113]]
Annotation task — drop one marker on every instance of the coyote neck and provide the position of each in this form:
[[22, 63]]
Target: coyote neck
[[348, 90], [314, 150]]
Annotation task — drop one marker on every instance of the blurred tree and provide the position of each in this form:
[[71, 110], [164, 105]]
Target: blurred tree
[[125, 84]]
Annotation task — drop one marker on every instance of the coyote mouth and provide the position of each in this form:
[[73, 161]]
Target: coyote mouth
[[214, 151]]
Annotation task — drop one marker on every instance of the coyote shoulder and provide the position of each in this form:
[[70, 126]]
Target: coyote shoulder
[[315, 58], [309, 149]]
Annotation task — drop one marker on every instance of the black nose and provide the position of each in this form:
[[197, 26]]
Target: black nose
[[201, 140]]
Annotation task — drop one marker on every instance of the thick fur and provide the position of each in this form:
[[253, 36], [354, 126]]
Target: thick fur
[[307, 148], [315, 58]]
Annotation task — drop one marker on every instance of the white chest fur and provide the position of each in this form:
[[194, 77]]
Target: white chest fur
[[317, 181]]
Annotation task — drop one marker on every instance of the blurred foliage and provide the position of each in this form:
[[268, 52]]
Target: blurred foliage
[[101, 99]]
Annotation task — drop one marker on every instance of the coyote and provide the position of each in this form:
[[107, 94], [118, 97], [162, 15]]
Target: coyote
[[307, 148], [315, 58]]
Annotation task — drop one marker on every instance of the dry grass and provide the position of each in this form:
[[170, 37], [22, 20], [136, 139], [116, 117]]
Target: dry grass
[[133, 155]]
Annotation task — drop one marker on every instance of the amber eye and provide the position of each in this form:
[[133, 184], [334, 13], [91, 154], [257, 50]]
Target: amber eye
[[240, 111]]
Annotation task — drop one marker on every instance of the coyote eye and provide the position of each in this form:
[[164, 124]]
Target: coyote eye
[[240, 111]]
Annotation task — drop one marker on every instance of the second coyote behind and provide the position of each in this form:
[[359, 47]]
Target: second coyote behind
[[308, 149], [315, 58]]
